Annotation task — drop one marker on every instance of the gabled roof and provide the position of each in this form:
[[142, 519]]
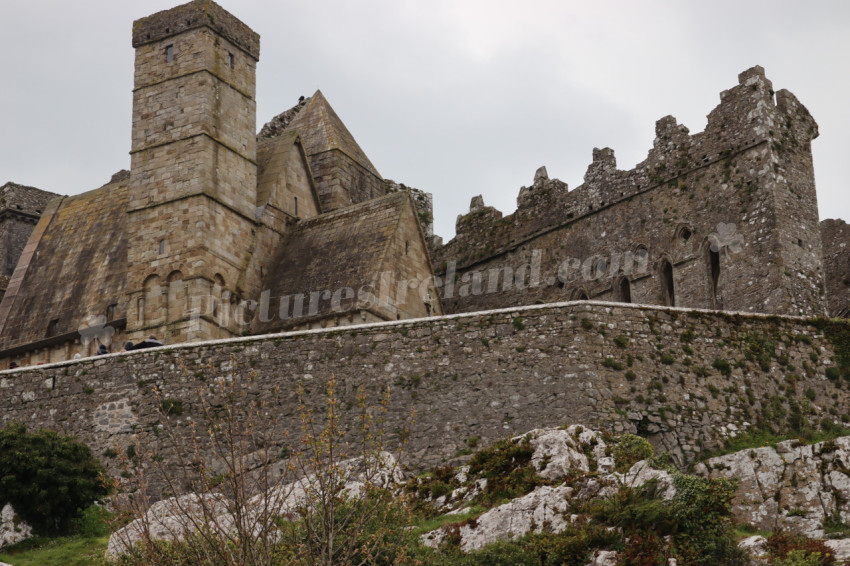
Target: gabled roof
[[74, 265], [321, 130], [344, 248], [272, 155]]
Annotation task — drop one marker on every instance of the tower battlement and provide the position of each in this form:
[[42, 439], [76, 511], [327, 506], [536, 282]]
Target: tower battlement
[[193, 15]]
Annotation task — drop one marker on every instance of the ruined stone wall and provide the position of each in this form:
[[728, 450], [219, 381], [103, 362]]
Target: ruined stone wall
[[742, 190], [685, 379], [20, 209], [835, 235]]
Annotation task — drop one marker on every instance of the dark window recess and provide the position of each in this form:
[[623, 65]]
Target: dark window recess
[[230, 59], [667, 284], [169, 53], [110, 311], [625, 290], [714, 267], [295, 206], [161, 247], [215, 309], [406, 247], [53, 328]]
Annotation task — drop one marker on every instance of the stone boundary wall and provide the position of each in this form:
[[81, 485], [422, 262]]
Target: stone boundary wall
[[683, 378]]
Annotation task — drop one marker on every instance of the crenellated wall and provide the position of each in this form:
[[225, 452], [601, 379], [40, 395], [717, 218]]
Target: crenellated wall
[[684, 378], [726, 218]]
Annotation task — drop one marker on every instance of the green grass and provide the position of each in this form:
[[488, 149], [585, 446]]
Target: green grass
[[430, 524], [63, 551], [86, 548]]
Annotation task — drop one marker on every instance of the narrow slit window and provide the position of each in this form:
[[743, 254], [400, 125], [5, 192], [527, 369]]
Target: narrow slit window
[[110, 311], [169, 53], [161, 247], [295, 206], [230, 59], [53, 328]]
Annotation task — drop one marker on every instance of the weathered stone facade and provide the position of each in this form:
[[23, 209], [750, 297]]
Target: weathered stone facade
[[835, 235], [187, 245], [724, 219], [686, 379], [20, 209]]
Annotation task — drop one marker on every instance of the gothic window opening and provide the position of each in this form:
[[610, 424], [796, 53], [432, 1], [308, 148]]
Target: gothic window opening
[[169, 53], [110, 311], [714, 271], [668, 288], [624, 290], [53, 328], [230, 59]]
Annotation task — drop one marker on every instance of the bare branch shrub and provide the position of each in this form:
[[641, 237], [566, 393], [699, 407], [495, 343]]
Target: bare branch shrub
[[256, 493]]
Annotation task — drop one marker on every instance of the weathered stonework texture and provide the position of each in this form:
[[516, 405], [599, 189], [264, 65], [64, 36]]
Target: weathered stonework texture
[[686, 379], [742, 190], [184, 245], [835, 235]]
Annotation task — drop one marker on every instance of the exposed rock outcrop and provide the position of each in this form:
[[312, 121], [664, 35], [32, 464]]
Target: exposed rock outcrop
[[792, 487], [12, 529]]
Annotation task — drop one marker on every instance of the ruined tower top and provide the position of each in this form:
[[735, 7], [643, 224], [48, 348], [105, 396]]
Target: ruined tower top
[[196, 14]]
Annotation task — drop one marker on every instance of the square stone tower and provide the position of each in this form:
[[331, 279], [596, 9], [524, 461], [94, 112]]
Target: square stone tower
[[193, 182]]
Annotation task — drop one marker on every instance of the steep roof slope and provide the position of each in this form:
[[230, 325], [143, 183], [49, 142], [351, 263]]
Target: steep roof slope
[[321, 130], [329, 253], [76, 266]]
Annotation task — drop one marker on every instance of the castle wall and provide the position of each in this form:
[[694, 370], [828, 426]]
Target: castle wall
[[20, 209], [835, 235], [743, 190], [685, 379]]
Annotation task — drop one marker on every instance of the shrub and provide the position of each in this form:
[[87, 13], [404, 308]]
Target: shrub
[[722, 366], [629, 450], [48, 478]]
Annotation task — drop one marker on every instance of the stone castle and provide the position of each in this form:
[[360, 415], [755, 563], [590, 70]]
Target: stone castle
[[218, 231]]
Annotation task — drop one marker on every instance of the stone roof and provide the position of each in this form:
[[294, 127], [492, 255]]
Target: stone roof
[[344, 248], [73, 266], [321, 130]]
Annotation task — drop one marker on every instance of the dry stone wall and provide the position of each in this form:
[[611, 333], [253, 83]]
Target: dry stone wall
[[686, 379]]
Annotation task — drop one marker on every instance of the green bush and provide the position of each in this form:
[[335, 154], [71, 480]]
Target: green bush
[[48, 478], [630, 449]]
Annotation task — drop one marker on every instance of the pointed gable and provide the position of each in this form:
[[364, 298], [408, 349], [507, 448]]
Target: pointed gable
[[321, 130]]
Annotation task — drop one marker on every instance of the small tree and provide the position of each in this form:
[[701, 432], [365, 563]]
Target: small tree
[[261, 494], [48, 478]]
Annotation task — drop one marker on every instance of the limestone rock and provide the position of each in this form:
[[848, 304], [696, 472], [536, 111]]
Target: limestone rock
[[557, 451], [756, 545], [176, 517], [641, 472], [603, 558], [170, 519], [840, 549], [542, 508], [791, 487], [12, 530]]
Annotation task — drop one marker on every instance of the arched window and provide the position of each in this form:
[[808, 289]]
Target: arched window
[[580, 295], [176, 298], [667, 286], [623, 290], [153, 301]]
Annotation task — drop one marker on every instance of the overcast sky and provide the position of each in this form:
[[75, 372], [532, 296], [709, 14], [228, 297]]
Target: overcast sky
[[457, 98]]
